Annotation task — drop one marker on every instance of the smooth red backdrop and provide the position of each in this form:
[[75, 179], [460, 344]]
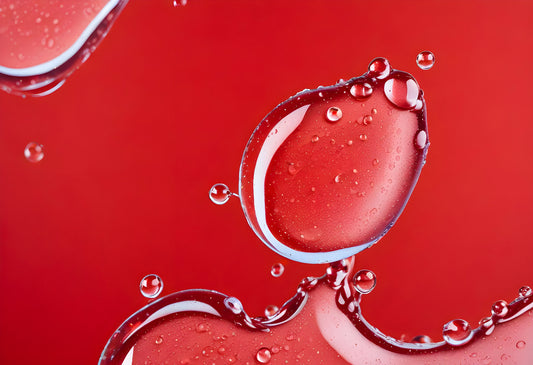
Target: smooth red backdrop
[[163, 110]]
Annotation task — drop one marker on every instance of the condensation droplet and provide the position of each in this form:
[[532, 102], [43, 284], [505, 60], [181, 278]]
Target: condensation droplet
[[375, 162], [263, 355], [520, 344], [277, 269], [219, 194], [379, 68], [159, 340], [361, 90], [270, 310], [374, 111], [34, 152], [421, 139], [363, 137], [367, 119], [233, 304], [525, 291], [315, 138], [425, 60], [151, 286], [364, 281], [334, 114], [457, 332], [202, 327], [500, 308], [402, 92]]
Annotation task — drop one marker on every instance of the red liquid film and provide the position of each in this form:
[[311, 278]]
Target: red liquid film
[[44, 42], [322, 323], [327, 172]]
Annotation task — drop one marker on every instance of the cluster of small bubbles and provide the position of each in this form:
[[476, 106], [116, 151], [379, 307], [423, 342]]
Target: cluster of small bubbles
[[421, 339], [219, 194], [364, 281], [271, 310], [520, 344], [457, 332], [34, 152], [425, 60], [151, 286], [525, 291], [379, 68], [500, 308], [277, 269], [334, 114], [361, 90], [263, 355], [402, 92], [421, 139], [233, 304]]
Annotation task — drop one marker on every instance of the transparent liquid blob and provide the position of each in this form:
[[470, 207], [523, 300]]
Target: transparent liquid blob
[[322, 323], [44, 42], [327, 172]]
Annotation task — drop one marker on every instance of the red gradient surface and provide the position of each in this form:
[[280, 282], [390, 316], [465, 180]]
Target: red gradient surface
[[163, 109]]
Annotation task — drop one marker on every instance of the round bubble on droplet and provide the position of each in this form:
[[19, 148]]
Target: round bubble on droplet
[[263, 355], [361, 90], [151, 286], [379, 68], [277, 269], [34, 152], [364, 281], [219, 194], [333, 114], [457, 332], [425, 60]]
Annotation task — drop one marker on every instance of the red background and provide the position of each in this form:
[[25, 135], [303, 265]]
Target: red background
[[163, 110]]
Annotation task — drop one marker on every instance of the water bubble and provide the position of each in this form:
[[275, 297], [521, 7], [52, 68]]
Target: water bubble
[[425, 60], [334, 114], [277, 269], [421, 139], [271, 310], [151, 286], [361, 90], [402, 92], [421, 339], [34, 152], [525, 291], [315, 138], [379, 68], [363, 137], [159, 340], [219, 194], [233, 304], [367, 119], [263, 355], [500, 308], [520, 344], [364, 281], [487, 324], [457, 332]]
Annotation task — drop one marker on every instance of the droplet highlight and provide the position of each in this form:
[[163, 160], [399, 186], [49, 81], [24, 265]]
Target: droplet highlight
[[151, 286], [34, 152], [233, 304], [219, 194], [421, 140], [364, 281], [457, 332], [425, 60]]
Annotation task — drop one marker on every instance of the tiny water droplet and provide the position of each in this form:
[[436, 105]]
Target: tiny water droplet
[[525, 291], [457, 332], [263, 355], [374, 111], [292, 170], [379, 68], [270, 310], [505, 357], [361, 90], [421, 139], [421, 339], [375, 162], [500, 308], [425, 60], [277, 269], [315, 138], [334, 114], [151, 286], [233, 304], [367, 119], [363, 137], [202, 327], [402, 92], [159, 340], [364, 281], [34, 152], [219, 194], [520, 344]]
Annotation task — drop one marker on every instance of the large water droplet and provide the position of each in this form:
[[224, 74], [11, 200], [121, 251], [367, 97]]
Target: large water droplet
[[500, 308], [263, 355], [277, 269], [361, 90], [151, 286], [34, 152], [364, 281], [457, 332], [379, 68], [334, 114], [425, 60], [233, 304], [402, 91], [525, 291], [219, 194]]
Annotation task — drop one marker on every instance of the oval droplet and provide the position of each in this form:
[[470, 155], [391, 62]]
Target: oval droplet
[[525, 291], [457, 332], [421, 139], [361, 90], [263, 355], [379, 68], [151, 286], [233, 304], [219, 194], [334, 114], [500, 308], [425, 60], [271, 310], [34, 152], [364, 281], [277, 269], [402, 92]]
